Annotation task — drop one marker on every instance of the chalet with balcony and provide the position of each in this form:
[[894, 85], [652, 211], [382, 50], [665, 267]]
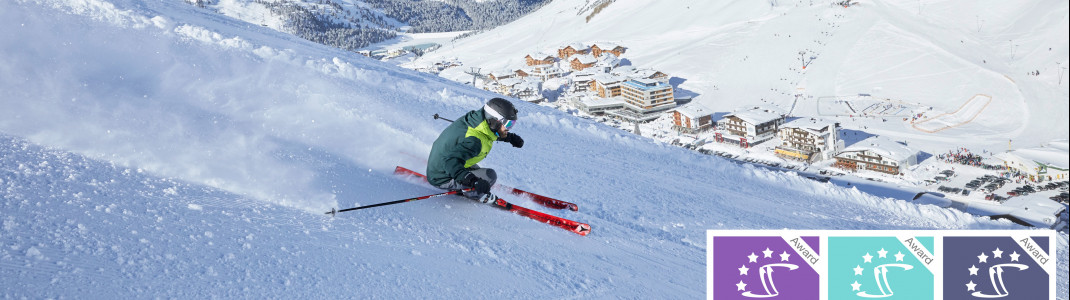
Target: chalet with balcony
[[754, 124], [606, 85], [877, 154], [545, 72], [572, 49], [601, 47], [582, 61], [692, 118], [808, 140], [523, 89], [581, 81], [499, 75], [536, 59]]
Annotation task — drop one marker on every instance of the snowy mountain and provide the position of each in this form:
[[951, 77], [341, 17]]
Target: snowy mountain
[[929, 57], [153, 149]]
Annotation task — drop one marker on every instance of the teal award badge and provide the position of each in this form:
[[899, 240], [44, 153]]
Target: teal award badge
[[875, 267]]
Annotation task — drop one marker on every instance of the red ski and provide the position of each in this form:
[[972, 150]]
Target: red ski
[[540, 199], [559, 222], [566, 224]]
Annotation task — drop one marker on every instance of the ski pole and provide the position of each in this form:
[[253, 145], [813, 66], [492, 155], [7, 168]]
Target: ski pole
[[333, 211], [437, 117]]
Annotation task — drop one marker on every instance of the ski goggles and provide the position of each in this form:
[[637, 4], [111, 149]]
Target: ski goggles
[[508, 124]]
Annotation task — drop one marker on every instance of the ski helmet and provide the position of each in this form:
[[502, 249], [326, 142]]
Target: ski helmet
[[500, 112]]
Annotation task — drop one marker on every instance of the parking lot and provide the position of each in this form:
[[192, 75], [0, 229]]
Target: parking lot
[[978, 185]]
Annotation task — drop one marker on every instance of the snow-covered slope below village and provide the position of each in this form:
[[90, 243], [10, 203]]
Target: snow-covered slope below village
[[149, 150], [936, 54]]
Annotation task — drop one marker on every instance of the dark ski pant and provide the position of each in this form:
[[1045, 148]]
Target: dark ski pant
[[486, 174]]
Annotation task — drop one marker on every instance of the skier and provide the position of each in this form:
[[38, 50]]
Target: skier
[[452, 164]]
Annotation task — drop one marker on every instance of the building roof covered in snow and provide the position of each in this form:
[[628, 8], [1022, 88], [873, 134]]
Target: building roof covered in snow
[[583, 76], [757, 115], [1054, 155], [574, 45], [605, 45], [540, 56], [694, 110], [513, 81], [812, 125], [603, 102], [604, 78], [609, 60], [645, 73], [883, 147], [624, 70], [500, 73], [585, 59], [528, 84]]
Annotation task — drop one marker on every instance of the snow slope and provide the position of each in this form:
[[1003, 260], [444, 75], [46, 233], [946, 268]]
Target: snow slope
[[149, 149]]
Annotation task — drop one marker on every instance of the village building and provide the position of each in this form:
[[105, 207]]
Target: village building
[[438, 66], [644, 100], [582, 61], [637, 73], [505, 86], [498, 75], [692, 118], [545, 72], [877, 154], [535, 59], [572, 49], [607, 63], [521, 88], [395, 52], [606, 85], [599, 106], [529, 90], [423, 66], [1049, 162], [522, 73], [752, 125], [581, 81], [809, 140], [602, 47]]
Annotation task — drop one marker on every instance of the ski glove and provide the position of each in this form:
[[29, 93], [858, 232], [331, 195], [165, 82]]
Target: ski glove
[[481, 185], [514, 140]]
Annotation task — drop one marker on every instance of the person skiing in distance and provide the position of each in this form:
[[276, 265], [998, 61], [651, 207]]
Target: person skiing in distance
[[452, 164]]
